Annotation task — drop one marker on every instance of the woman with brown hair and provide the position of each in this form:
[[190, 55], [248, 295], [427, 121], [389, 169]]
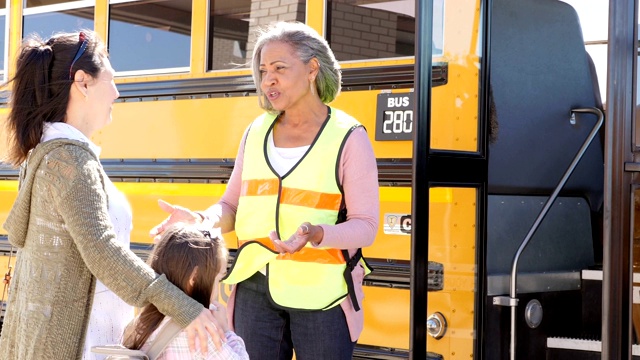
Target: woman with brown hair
[[69, 222]]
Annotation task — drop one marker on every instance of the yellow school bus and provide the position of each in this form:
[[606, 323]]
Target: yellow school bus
[[507, 201]]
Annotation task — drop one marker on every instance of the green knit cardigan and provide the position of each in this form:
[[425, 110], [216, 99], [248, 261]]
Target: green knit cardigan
[[61, 227]]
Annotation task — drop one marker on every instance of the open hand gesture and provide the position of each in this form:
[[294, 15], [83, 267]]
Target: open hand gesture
[[176, 214], [305, 233]]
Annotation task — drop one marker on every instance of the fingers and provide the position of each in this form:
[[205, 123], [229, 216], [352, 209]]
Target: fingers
[[158, 229], [215, 331], [221, 337], [279, 245], [283, 247], [296, 242], [204, 348], [197, 332], [176, 214], [156, 239], [216, 306], [191, 338], [166, 206]]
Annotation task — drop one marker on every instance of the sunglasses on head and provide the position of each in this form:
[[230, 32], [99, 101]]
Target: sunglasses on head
[[82, 39], [207, 234]]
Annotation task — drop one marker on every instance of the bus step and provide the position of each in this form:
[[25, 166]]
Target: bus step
[[579, 349], [368, 352]]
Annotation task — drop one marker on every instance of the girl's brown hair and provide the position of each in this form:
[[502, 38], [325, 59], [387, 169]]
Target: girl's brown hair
[[42, 84], [181, 249]]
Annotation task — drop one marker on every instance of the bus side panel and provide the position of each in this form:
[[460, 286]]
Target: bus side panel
[[212, 128], [8, 194], [178, 129], [393, 240], [143, 198], [387, 321]]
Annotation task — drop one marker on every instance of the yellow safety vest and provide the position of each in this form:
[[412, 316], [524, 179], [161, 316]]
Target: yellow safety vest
[[313, 278]]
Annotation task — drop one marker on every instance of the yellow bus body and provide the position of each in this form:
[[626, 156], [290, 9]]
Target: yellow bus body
[[211, 128]]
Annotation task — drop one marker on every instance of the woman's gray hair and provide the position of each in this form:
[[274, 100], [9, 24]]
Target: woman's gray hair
[[308, 44]]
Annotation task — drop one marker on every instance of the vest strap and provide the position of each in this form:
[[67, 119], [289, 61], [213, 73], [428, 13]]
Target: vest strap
[[351, 264]]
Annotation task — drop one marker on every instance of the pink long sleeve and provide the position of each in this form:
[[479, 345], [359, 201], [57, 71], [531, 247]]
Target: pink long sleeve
[[359, 174]]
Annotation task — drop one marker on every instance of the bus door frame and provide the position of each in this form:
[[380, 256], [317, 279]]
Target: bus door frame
[[434, 168], [619, 157]]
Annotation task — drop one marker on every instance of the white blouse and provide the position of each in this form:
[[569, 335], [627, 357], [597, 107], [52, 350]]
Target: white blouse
[[283, 159], [109, 314]]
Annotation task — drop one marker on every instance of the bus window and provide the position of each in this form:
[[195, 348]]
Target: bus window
[[35, 3], [373, 29], [454, 109], [150, 36], [232, 26], [594, 20], [56, 16]]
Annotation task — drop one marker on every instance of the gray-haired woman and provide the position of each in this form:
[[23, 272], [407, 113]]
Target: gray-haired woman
[[300, 166]]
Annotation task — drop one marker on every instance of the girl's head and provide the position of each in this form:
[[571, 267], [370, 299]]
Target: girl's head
[[192, 259], [45, 72]]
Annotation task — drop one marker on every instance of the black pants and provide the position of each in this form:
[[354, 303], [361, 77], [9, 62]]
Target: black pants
[[271, 333]]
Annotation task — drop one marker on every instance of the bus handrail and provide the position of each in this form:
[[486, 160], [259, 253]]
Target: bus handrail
[[512, 300]]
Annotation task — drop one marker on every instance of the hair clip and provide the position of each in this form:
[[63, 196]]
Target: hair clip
[[206, 234]]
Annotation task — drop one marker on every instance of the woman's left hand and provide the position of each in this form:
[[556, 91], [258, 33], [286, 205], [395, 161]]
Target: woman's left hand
[[305, 233], [204, 324]]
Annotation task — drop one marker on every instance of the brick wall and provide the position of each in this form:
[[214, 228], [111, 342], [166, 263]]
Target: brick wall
[[264, 12], [362, 33]]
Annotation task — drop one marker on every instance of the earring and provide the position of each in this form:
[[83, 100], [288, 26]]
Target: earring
[[312, 86]]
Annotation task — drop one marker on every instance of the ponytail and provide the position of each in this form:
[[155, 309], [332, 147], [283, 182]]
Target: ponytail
[[41, 77], [30, 91], [41, 87]]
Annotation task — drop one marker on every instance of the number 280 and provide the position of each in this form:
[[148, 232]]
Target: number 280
[[397, 122]]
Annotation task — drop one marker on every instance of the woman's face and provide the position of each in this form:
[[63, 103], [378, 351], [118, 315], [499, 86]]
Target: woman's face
[[101, 93], [286, 80]]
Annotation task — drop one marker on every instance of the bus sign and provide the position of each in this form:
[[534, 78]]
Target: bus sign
[[394, 116], [397, 224]]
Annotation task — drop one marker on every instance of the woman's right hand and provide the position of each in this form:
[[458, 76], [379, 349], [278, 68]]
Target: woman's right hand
[[205, 324], [176, 214]]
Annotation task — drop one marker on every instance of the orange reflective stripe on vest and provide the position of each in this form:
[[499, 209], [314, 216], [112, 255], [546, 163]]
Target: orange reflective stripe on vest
[[309, 198], [291, 196], [260, 187], [306, 254]]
